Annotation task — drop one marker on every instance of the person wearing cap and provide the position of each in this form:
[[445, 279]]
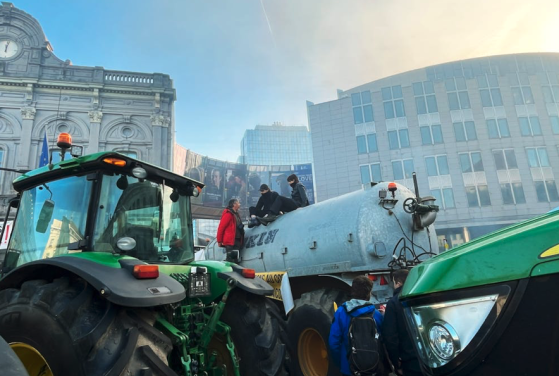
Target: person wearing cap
[[263, 206]]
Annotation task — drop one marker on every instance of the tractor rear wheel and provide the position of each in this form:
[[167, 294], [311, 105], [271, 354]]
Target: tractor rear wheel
[[255, 334], [64, 327], [309, 328]]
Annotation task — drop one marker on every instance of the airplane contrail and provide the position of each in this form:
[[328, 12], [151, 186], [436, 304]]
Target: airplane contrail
[[268, 22]]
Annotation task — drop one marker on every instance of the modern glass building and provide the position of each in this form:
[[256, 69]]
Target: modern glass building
[[481, 134], [276, 144]]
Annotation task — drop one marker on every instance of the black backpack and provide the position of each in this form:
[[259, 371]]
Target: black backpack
[[364, 346]]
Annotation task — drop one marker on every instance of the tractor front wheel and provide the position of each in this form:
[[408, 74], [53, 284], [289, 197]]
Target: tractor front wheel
[[255, 334], [63, 327]]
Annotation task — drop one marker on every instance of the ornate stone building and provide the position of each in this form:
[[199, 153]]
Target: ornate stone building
[[102, 109]]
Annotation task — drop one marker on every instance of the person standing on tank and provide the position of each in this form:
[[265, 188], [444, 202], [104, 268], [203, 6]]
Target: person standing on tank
[[230, 232], [299, 199]]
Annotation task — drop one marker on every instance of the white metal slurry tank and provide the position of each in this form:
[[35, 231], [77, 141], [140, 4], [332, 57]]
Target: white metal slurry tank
[[350, 233]]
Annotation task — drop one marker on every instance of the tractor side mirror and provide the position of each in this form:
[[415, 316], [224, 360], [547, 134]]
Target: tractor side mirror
[[45, 216]]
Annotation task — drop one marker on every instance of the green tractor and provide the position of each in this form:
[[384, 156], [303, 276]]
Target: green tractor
[[489, 307], [99, 278]]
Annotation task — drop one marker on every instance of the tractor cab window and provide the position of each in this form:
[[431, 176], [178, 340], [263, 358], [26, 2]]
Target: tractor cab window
[[51, 220], [143, 219]]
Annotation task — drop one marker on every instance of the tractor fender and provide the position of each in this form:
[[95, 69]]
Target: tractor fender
[[255, 286], [117, 285]]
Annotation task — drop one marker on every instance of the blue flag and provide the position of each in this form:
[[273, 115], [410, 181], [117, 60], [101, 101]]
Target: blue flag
[[44, 159]]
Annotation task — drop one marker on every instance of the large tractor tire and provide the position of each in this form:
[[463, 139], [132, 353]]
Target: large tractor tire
[[63, 327], [255, 334], [309, 328]]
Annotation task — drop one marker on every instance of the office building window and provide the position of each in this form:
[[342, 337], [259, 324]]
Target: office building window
[[551, 93], [489, 90], [438, 166], [498, 128], [393, 102], [512, 191], [546, 190], [521, 91], [465, 131], [425, 100], [367, 143], [530, 126], [398, 139], [402, 169], [370, 173], [457, 93], [431, 134], [372, 142], [362, 107], [477, 194], [554, 120]]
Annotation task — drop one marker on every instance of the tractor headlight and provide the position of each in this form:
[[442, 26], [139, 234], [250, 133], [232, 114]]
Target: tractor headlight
[[442, 330]]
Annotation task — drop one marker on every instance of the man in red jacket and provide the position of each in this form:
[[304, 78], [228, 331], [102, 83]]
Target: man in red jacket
[[230, 232]]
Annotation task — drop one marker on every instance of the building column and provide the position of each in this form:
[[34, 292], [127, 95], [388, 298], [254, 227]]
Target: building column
[[95, 118], [28, 118], [159, 123]]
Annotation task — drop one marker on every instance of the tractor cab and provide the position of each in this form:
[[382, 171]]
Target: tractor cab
[[105, 202]]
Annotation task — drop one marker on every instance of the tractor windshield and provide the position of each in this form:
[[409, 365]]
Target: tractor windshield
[[143, 219], [51, 220]]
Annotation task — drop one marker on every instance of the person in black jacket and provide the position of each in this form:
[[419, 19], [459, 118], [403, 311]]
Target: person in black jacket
[[263, 206], [283, 204], [395, 335]]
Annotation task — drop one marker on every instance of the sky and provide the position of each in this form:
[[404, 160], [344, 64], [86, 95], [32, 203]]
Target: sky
[[239, 63]]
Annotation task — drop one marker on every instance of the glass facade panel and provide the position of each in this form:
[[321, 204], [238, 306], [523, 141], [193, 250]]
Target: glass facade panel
[[361, 145], [399, 105], [397, 170], [365, 175], [425, 135], [443, 165], [404, 138], [408, 168], [470, 130], [396, 91], [506, 192], [431, 166], [524, 126], [471, 195], [532, 157], [503, 127], [429, 88], [388, 110], [453, 101], [420, 105], [448, 195], [417, 88], [355, 99], [460, 83], [528, 97], [464, 99], [540, 191], [499, 160], [484, 198], [536, 128], [465, 163], [366, 97], [437, 134], [511, 159], [436, 193], [368, 112], [372, 142], [432, 104], [450, 85], [552, 190], [544, 160], [492, 128], [477, 162], [386, 94], [357, 115], [517, 96], [393, 140], [459, 132], [375, 169], [496, 95], [547, 94], [518, 193], [485, 98], [554, 120]]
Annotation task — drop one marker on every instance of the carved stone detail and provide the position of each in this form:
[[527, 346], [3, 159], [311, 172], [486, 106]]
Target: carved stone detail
[[160, 120], [127, 118], [95, 116], [28, 113]]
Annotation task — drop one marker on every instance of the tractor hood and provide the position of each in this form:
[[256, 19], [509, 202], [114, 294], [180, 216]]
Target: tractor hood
[[489, 259]]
